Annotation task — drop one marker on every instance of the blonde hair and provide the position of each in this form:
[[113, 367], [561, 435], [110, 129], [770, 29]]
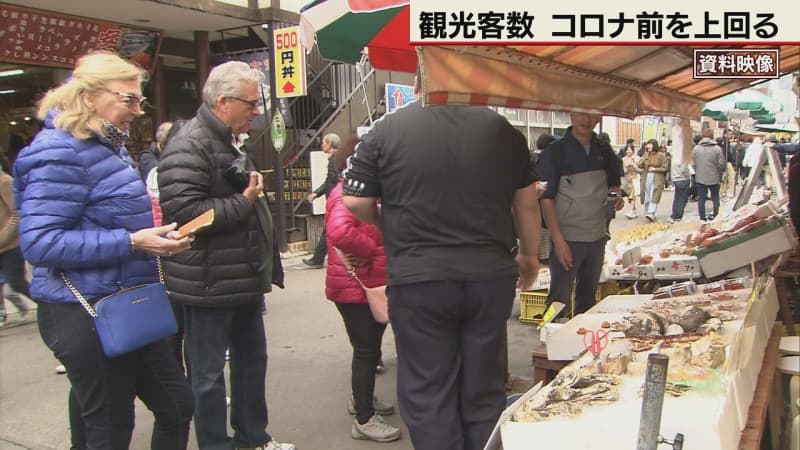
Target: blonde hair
[[91, 74]]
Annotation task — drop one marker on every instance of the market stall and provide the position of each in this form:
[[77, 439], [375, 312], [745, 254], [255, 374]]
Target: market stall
[[715, 337]]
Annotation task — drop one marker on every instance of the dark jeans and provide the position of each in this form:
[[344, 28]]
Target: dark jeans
[[365, 336], [208, 332], [680, 199], [321, 249], [587, 264], [105, 388], [176, 341], [702, 195], [13, 266], [450, 379]]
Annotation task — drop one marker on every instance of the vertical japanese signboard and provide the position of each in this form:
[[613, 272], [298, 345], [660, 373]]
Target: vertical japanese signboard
[[289, 63]]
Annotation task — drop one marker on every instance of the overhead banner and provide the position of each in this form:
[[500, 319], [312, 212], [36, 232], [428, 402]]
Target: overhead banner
[[289, 63], [678, 22], [46, 38]]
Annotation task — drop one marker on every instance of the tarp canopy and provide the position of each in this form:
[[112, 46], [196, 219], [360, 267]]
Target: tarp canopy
[[615, 80], [624, 81]]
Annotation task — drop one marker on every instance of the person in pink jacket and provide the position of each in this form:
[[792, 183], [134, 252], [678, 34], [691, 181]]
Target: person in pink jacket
[[363, 246]]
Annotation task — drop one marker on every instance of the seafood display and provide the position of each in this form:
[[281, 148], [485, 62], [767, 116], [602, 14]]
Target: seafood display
[[568, 394]]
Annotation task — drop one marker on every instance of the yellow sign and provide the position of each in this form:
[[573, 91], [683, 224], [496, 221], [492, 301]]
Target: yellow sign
[[289, 62]]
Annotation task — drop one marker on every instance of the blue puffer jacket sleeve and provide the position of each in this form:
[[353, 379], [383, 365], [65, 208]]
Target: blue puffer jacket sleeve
[[78, 201]]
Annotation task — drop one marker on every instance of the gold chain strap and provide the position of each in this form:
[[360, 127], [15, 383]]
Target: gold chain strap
[[79, 296], [86, 304]]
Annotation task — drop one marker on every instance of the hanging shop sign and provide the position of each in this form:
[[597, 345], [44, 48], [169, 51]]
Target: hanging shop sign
[[46, 38], [289, 63]]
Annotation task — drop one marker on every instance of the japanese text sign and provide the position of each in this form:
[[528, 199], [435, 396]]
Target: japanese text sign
[[47, 38], [289, 63], [736, 63], [678, 22]]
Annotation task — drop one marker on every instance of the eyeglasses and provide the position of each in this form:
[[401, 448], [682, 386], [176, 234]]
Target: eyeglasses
[[130, 100], [252, 103]]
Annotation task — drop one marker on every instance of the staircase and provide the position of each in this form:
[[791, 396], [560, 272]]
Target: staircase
[[340, 98]]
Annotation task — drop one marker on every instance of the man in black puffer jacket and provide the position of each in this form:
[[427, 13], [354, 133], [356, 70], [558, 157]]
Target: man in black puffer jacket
[[222, 279]]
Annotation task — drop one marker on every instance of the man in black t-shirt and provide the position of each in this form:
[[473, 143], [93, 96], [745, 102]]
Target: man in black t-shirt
[[447, 178]]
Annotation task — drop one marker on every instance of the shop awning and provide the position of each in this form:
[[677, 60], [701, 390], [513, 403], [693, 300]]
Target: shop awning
[[616, 80]]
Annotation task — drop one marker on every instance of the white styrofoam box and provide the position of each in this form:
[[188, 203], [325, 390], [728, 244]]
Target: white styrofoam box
[[697, 415], [771, 243], [634, 272], [566, 344], [547, 330], [620, 303], [676, 267]]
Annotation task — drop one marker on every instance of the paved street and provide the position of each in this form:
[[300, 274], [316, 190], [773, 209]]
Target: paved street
[[307, 381]]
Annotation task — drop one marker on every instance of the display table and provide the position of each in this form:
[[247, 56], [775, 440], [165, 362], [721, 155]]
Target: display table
[[544, 369], [754, 427], [713, 413]]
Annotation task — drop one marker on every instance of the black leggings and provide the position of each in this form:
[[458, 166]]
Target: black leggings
[[365, 336]]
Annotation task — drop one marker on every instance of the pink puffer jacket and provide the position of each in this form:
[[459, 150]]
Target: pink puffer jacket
[[356, 238]]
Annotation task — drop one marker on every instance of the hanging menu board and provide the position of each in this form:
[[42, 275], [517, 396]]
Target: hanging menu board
[[46, 38]]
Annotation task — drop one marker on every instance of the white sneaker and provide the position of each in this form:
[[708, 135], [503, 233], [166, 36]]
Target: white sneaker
[[275, 445], [631, 215], [382, 408], [60, 369], [375, 430]]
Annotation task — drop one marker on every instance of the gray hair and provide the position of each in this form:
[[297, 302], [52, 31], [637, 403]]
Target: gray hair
[[333, 140], [226, 80], [162, 132]]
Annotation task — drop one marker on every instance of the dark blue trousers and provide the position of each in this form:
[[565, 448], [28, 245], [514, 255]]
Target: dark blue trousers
[[208, 332], [450, 376], [702, 194], [682, 190]]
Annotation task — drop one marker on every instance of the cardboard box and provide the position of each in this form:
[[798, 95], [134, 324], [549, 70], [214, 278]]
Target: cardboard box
[[745, 249]]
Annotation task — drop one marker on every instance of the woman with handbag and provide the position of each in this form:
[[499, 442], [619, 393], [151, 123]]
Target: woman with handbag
[[87, 228], [356, 262]]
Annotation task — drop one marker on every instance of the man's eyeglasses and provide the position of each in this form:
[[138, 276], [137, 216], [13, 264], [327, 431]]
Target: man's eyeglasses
[[252, 103], [131, 100]]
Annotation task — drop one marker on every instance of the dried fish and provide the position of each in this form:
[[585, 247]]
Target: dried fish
[[691, 318]]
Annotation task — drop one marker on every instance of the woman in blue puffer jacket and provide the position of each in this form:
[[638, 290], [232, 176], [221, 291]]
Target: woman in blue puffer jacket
[[85, 212]]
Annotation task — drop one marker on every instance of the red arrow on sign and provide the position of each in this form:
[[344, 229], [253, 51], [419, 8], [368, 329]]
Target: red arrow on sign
[[398, 98], [288, 88]]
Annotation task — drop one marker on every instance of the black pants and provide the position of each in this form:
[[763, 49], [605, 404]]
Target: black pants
[[450, 378], [365, 336], [13, 266], [104, 388], [587, 266], [321, 249]]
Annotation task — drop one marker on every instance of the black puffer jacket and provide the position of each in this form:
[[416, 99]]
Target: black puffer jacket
[[223, 267]]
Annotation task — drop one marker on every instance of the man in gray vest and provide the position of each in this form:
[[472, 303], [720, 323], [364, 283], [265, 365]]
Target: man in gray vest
[[580, 170]]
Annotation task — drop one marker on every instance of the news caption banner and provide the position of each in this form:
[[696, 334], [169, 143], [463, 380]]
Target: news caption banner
[[680, 22]]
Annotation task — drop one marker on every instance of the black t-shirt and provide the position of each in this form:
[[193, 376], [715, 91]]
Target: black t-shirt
[[446, 176]]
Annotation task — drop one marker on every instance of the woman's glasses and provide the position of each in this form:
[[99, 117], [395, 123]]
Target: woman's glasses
[[130, 100]]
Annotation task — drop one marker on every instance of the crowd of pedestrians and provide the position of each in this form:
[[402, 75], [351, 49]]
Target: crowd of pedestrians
[[423, 204]]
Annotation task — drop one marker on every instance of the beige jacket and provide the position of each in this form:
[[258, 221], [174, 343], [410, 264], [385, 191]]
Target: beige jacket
[[9, 220]]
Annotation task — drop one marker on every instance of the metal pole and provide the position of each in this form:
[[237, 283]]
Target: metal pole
[[653, 401], [280, 211]]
